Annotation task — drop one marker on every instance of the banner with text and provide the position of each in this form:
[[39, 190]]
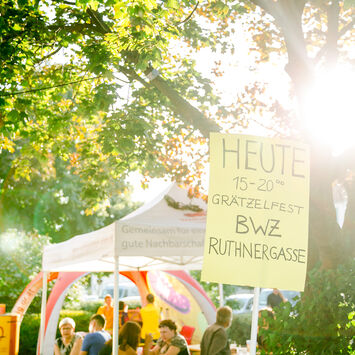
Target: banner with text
[[257, 218]]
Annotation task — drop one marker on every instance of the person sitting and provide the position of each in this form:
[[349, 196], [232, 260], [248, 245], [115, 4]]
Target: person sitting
[[129, 337], [70, 342], [170, 342], [95, 340], [107, 311]]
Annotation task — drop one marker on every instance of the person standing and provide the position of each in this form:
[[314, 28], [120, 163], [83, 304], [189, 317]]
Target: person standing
[[214, 340], [95, 340], [275, 298], [107, 311], [69, 343], [150, 315]]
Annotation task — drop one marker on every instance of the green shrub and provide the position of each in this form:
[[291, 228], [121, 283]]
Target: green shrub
[[81, 318], [239, 331], [29, 331], [319, 322], [88, 306], [234, 304]]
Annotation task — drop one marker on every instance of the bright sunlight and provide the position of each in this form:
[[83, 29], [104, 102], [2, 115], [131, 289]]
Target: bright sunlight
[[330, 109]]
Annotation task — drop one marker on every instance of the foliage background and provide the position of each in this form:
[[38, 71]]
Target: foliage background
[[321, 322], [19, 261]]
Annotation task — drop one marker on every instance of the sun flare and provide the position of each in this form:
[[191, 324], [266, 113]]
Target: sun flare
[[330, 114]]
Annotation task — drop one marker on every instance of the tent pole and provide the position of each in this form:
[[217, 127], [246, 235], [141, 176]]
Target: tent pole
[[43, 310], [254, 321], [221, 295], [115, 307]]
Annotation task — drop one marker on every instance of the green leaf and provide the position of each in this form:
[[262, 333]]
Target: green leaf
[[151, 4], [93, 4], [172, 4], [17, 27]]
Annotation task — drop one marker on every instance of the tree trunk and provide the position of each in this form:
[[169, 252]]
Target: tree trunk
[[324, 232]]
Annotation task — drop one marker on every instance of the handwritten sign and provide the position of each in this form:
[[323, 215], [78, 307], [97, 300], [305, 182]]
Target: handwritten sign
[[257, 218]]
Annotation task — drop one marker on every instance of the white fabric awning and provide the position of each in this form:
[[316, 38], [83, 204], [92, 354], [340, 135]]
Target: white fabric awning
[[157, 236]]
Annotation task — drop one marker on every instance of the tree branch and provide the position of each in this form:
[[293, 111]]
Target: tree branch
[[49, 55], [77, 27], [15, 93], [332, 33], [347, 27], [288, 17], [188, 17], [266, 5], [188, 113], [342, 32], [130, 73], [101, 26]]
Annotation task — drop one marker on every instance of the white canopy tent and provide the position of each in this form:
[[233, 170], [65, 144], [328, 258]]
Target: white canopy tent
[[164, 234]]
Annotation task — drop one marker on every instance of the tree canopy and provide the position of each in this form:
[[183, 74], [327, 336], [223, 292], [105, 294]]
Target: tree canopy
[[19, 263], [91, 90]]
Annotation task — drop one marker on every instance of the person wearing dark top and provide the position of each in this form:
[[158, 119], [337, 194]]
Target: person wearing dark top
[[214, 340], [275, 298], [170, 342]]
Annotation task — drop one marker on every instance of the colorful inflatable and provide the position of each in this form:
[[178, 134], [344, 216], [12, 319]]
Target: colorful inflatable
[[178, 296]]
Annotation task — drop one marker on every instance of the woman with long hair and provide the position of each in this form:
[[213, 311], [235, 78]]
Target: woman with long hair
[[129, 338]]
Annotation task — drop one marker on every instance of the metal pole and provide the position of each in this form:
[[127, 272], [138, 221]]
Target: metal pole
[[115, 307], [43, 310], [221, 295], [115, 294], [254, 321]]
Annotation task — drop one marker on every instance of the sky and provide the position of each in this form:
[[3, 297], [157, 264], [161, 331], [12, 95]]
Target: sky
[[144, 195]]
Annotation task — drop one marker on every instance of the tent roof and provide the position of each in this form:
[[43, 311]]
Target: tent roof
[[157, 236]]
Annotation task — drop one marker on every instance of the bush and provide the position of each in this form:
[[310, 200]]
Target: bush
[[81, 318], [319, 323], [239, 331], [29, 331], [88, 306]]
